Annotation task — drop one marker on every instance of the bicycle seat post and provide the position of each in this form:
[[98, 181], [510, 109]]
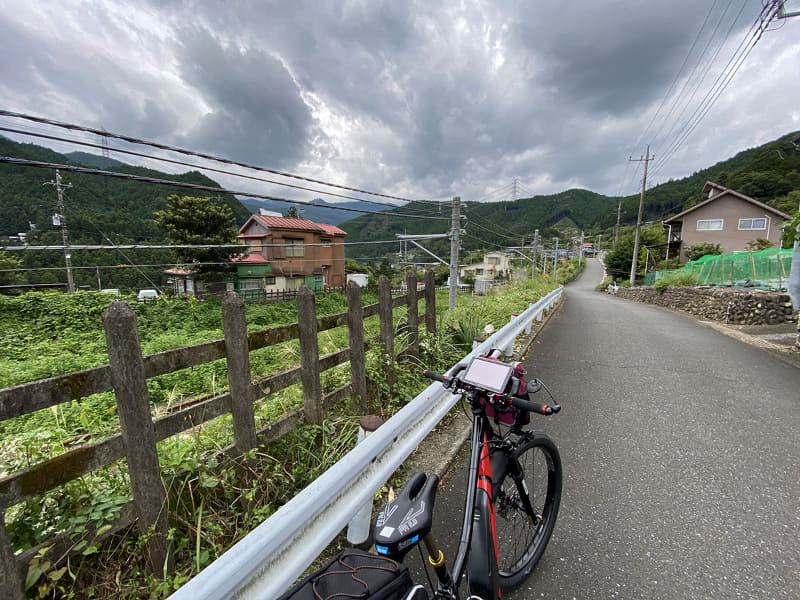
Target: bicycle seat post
[[436, 559]]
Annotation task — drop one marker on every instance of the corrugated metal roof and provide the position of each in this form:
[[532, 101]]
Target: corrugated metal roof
[[287, 223], [332, 229]]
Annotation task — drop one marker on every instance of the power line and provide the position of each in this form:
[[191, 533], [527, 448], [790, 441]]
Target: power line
[[105, 148], [697, 63], [765, 17], [132, 140], [178, 246], [192, 186], [699, 80]]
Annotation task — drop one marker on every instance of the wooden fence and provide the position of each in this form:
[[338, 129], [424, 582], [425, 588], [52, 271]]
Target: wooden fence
[[127, 373]]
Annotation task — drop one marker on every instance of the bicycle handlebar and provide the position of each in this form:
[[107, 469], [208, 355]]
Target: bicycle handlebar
[[515, 401], [534, 407], [435, 376]]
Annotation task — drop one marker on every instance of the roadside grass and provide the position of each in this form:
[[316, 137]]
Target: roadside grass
[[211, 504]]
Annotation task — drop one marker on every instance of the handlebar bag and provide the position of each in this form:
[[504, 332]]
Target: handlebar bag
[[357, 574]]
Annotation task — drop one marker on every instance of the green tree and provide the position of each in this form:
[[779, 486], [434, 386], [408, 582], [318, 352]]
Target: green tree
[[701, 249], [618, 261], [8, 262], [791, 231], [292, 213], [198, 221]]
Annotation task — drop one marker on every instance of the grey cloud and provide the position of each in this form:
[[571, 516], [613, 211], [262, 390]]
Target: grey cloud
[[257, 113]]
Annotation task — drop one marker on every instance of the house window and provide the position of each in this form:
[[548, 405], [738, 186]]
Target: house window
[[709, 225], [249, 284], [294, 248], [478, 271], [326, 241], [269, 281], [749, 224]]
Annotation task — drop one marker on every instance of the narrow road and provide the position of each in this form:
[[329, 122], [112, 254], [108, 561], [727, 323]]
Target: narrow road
[[680, 453]]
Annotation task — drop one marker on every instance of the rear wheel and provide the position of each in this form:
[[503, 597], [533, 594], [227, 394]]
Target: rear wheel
[[524, 527]]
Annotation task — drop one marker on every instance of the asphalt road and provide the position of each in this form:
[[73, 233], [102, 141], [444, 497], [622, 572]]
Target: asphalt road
[[680, 453]]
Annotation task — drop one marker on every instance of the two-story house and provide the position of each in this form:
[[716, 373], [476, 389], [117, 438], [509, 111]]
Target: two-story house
[[494, 263], [727, 218], [284, 253]]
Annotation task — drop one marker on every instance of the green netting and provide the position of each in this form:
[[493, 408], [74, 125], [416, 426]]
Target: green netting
[[767, 269]]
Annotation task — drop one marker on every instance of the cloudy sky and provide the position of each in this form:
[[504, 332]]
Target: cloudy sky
[[420, 99]]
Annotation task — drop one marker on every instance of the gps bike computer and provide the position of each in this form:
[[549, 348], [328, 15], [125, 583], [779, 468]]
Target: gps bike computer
[[488, 374]]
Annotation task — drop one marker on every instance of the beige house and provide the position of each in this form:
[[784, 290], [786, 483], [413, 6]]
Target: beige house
[[493, 264], [727, 218]]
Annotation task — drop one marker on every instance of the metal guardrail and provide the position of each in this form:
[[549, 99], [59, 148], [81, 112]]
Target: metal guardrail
[[269, 559]]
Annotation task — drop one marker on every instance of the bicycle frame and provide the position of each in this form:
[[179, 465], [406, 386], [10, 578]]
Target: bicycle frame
[[478, 543]]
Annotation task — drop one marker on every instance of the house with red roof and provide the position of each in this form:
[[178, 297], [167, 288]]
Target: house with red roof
[[284, 253]]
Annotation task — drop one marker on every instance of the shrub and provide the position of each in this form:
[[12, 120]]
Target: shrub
[[679, 278], [702, 249]]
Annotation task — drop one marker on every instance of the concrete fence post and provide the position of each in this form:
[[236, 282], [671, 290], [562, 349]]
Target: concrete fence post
[[355, 329], [413, 315], [138, 433], [309, 356], [430, 303], [387, 326], [234, 324]]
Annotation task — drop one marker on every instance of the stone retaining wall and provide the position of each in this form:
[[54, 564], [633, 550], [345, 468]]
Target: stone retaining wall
[[745, 307]]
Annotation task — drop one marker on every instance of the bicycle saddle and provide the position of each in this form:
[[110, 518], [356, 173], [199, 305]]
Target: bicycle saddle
[[408, 518]]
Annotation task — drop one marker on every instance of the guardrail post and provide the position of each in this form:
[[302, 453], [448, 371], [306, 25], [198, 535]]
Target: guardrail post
[[234, 325], [11, 582], [355, 329], [430, 303], [358, 528], [387, 326], [309, 356], [138, 433], [413, 315]]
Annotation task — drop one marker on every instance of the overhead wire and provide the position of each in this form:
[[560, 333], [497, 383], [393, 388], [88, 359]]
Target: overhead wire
[[750, 40], [194, 166], [698, 81], [677, 75], [133, 140], [206, 188]]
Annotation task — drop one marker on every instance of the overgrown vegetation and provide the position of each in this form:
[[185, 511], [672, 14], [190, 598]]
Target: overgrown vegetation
[[701, 249], [678, 278], [212, 503]]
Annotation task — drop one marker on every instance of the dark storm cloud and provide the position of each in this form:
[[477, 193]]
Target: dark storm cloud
[[609, 56], [420, 98], [257, 111]]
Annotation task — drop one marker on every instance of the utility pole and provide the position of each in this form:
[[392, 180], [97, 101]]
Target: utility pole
[[535, 248], [647, 158], [616, 229], [59, 219], [454, 242], [555, 261]]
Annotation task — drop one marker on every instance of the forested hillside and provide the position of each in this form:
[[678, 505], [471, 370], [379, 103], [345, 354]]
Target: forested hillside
[[101, 210], [769, 173], [98, 210]]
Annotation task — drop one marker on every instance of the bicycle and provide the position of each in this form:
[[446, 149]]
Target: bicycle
[[508, 519]]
